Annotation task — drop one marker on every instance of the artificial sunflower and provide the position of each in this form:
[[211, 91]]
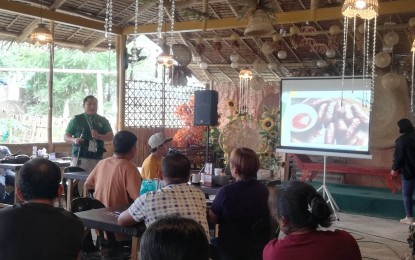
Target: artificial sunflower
[[273, 134], [267, 124], [231, 104]]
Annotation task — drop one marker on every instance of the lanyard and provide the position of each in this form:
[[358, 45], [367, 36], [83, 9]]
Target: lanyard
[[90, 127], [88, 121]]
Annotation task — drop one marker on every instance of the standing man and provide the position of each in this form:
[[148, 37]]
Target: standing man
[[175, 198], [404, 164], [151, 166], [35, 229], [116, 179], [87, 133]]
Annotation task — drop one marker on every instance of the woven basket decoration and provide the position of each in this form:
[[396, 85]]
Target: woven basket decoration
[[259, 24], [182, 54]]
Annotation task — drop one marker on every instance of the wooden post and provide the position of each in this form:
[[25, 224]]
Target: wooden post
[[120, 52], [50, 87]]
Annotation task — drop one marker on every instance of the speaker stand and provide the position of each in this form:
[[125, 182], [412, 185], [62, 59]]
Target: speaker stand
[[325, 192], [207, 145]]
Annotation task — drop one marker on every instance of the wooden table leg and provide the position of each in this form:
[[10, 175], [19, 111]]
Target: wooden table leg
[[135, 247], [69, 195]]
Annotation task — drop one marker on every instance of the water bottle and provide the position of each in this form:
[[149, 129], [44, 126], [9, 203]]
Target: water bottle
[[34, 151]]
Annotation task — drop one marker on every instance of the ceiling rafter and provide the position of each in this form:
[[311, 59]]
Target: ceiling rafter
[[72, 20], [301, 16], [28, 30]]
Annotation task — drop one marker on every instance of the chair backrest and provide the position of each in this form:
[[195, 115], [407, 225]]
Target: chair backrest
[[246, 239], [73, 169], [85, 203]]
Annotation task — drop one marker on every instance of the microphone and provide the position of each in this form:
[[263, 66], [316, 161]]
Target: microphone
[[79, 148]]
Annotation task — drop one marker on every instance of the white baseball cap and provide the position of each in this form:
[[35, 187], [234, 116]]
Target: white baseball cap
[[158, 139]]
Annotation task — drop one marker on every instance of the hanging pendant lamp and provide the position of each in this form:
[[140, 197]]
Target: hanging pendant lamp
[[41, 35], [366, 9]]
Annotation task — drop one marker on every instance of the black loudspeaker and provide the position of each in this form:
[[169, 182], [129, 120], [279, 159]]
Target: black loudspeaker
[[206, 107]]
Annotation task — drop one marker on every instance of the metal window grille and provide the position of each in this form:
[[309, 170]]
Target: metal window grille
[[148, 105]]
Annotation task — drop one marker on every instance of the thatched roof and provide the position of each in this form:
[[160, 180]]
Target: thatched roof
[[80, 24]]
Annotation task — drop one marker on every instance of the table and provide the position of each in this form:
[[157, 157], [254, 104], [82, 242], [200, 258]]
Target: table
[[106, 219], [16, 168], [71, 177]]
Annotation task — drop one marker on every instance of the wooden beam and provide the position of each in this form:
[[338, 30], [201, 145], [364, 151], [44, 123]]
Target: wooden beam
[[57, 4], [28, 30], [302, 16], [73, 20], [93, 44]]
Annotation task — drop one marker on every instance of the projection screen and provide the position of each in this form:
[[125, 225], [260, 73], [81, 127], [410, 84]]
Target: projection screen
[[325, 114]]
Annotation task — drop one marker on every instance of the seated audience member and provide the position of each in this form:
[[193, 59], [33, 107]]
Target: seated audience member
[[35, 229], [116, 179], [174, 238], [6, 178], [151, 166], [300, 210], [176, 197], [241, 210]]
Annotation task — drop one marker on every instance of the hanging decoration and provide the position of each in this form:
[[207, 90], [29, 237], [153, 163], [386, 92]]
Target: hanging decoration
[[217, 44], [245, 76], [108, 30], [234, 61], [134, 50], [165, 58], [235, 41], [368, 11]]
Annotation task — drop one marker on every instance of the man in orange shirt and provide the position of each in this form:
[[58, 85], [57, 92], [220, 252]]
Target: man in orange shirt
[[116, 179]]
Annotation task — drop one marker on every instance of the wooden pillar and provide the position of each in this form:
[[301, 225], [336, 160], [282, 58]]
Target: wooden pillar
[[50, 86], [120, 56], [100, 94]]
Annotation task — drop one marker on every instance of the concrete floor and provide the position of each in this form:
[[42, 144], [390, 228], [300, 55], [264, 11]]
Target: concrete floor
[[377, 238]]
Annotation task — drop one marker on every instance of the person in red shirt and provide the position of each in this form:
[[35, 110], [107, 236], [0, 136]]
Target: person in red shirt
[[300, 210]]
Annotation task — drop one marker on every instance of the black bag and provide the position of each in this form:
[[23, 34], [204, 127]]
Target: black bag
[[15, 159]]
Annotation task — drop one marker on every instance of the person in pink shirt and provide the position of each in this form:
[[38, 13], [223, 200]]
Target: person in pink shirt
[[300, 210], [116, 180]]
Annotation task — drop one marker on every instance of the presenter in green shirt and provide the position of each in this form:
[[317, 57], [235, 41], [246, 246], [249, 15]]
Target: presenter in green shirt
[[87, 133]]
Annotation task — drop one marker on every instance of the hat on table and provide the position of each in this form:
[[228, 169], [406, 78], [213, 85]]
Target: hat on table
[[158, 139]]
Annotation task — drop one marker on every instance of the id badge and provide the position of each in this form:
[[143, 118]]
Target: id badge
[[92, 147]]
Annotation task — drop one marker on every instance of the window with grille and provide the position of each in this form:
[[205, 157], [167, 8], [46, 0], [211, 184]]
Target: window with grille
[[150, 104]]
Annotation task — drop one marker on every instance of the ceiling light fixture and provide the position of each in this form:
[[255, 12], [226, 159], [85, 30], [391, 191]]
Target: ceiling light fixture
[[41, 35], [165, 58], [245, 76], [245, 73], [367, 10]]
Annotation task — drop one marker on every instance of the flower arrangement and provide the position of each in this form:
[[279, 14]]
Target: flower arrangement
[[189, 134], [269, 127]]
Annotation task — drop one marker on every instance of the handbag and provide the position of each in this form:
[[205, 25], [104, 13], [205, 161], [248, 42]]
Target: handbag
[[15, 159]]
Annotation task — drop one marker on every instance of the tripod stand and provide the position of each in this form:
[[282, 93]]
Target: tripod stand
[[326, 192]]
